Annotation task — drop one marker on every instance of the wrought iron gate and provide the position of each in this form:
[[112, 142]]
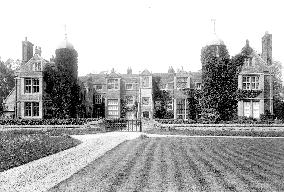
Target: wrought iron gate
[[123, 125]]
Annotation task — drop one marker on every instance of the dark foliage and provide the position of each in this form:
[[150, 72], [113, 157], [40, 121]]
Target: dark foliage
[[161, 98], [247, 93], [62, 88], [74, 121], [7, 82], [220, 82], [127, 108]]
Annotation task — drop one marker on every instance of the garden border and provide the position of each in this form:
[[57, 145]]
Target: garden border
[[228, 127]]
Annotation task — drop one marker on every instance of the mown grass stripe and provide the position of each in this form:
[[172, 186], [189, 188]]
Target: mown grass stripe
[[122, 174], [231, 175], [177, 167], [264, 167], [262, 174], [170, 184], [198, 172], [133, 179], [188, 177], [163, 168], [256, 180], [143, 178]]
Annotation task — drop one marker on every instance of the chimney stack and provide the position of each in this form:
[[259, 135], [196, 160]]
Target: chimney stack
[[129, 71], [267, 48], [38, 50], [27, 50]]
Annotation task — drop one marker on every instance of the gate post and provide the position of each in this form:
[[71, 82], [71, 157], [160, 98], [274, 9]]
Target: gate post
[[140, 125]]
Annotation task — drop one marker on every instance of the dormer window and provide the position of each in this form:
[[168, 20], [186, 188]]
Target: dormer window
[[248, 62], [112, 84], [145, 82], [37, 66], [250, 82]]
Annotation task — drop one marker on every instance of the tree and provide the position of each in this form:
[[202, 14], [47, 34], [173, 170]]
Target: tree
[[278, 103], [7, 82], [220, 83], [62, 86], [161, 98]]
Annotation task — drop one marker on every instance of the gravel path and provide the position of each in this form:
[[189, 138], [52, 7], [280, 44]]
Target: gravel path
[[42, 174]]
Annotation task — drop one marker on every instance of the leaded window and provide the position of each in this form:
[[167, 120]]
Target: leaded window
[[98, 99], [31, 85], [250, 82], [112, 84], [181, 82], [128, 86], [37, 66], [31, 109], [145, 82], [28, 85]]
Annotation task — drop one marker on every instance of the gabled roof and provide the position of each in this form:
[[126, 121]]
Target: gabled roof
[[165, 78], [182, 73], [10, 94], [28, 65], [113, 75], [146, 72], [258, 64]]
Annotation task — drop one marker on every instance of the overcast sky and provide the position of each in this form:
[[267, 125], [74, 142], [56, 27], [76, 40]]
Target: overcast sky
[[152, 34]]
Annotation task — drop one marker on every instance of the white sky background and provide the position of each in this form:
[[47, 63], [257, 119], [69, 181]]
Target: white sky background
[[152, 34]]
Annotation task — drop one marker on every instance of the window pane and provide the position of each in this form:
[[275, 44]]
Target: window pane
[[28, 85], [35, 85], [35, 109], [28, 108]]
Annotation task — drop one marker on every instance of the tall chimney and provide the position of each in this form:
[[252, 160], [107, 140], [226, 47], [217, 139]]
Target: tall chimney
[[38, 50], [129, 71], [267, 48], [27, 50]]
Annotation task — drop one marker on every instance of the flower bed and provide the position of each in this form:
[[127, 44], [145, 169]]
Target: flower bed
[[74, 121], [20, 147], [240, 120], [224, 132]]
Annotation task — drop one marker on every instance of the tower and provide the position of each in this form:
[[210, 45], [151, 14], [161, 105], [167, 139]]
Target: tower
[[27, 50], [267, 48]]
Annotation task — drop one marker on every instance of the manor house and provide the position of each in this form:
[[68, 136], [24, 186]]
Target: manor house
[[108, 94]]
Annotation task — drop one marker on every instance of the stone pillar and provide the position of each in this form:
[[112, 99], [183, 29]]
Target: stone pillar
[[185, 108], [271, 94], [251, 109], [175, 108], [240, 108], [261, 106]]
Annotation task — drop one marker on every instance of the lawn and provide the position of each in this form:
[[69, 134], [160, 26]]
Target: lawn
[[22, 146], [185, 164]]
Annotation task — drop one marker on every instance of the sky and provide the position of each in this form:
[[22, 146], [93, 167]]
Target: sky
[[140, 34]]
